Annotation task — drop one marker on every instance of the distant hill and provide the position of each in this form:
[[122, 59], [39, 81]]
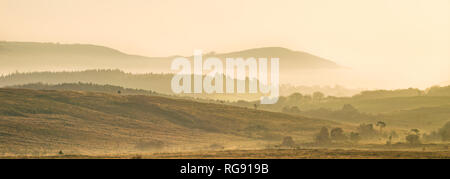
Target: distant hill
[[32, 56], [87, 122], [155, 82], [289, 59], [160, 83]]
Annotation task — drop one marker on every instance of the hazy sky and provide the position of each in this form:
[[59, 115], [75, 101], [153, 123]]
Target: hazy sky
[[409, 38]]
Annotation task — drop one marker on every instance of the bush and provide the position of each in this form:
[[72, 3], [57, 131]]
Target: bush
[[444, 132], [288, 142], [337, 134], [413, 139], [323, 137], [367, 131]]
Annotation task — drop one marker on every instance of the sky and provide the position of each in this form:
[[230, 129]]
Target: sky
[[406, 38]]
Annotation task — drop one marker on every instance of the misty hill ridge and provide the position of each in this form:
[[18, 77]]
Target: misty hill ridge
[[32, 48], [295, 59], [34, 56]]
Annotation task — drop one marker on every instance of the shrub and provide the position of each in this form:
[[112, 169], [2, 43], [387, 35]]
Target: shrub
[[323, 137], [288, 142], [337, 134], [413, 139], [367, 131], [444, 132]]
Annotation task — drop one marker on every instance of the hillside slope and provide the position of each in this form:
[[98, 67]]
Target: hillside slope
[[82, 122]]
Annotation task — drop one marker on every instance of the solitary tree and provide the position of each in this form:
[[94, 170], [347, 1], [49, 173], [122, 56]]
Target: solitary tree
[[415, 131], [382, 125], [413, 138]]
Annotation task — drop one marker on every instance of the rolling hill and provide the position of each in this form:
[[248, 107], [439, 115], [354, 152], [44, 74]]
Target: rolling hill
[[155, 82], [375, 102], [403, 108], [424, 118], [410, 111], [86, 122], [88, 87], [160, 83]]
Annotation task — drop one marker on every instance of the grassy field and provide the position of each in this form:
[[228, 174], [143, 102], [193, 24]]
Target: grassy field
[[40, 123], [307, 154], [272, 154]]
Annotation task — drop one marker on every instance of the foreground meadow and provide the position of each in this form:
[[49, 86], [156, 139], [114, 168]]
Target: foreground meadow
[[269, 154]]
